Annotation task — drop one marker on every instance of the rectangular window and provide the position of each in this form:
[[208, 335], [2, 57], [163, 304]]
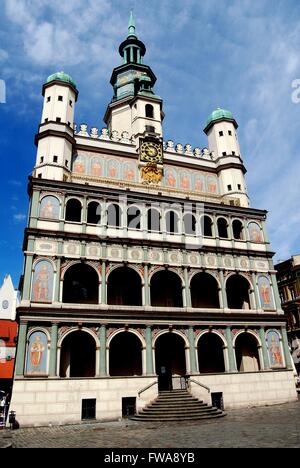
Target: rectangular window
[[224, 153], [233, 153], [66, 163], [48, 98], [55, 159], [46, 120], [39, 176], [71, 103], [229, 132], [58, 119], [221, 133], [88, 409], [217, 400], [229, 187], [42, 160], [60, 98], [239, 187], [128, 406]]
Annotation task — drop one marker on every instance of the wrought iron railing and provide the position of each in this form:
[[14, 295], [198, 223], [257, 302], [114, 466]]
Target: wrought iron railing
[[146, 388]]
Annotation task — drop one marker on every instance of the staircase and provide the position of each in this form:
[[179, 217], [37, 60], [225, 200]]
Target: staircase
[[177, 405]]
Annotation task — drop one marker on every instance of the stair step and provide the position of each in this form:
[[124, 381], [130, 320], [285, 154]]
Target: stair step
[[151, 418]]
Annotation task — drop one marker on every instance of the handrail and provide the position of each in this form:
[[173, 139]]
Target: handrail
[[146, 388], [200, 384]]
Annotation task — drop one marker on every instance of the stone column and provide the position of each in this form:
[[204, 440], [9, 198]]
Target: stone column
[[223, 290], [147, 298], [256, 294], [103, 339], [231, 353], [34, 209], [264, 348], [53, 350], [57, 281], [103, 283], [27, 278], [84, 215], [149, 351], [286, 349], [187, 288], [193, 362], [20, 360]]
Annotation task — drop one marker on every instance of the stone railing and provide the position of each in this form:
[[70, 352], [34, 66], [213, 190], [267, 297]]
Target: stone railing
[[124, 137], [104, 134], [188, 150]]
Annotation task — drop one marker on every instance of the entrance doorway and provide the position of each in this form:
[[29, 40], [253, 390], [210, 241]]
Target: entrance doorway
[[169, 359]]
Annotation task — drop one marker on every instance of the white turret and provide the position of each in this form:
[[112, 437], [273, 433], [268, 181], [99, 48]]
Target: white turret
[[55, 138], [221, 130]]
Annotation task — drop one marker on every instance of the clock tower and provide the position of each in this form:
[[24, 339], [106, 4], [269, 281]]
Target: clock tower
[[135, 107]]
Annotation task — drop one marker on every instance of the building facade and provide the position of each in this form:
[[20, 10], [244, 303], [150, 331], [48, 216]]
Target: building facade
[[288, 278], [143, 262], [8, 334]]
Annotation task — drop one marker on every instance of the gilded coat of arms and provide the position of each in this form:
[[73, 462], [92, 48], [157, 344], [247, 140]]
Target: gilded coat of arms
[[151, 174]]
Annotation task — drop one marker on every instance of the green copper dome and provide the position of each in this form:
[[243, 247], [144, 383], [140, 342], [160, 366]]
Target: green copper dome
[[61, 76], [219, 114]]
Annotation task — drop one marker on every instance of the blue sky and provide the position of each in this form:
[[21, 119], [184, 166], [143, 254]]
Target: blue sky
[[242, 55]]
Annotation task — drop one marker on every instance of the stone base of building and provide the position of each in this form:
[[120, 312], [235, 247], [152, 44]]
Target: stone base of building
[[56, 401]]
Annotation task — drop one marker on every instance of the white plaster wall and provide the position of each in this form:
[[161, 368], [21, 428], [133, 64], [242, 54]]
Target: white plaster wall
[[58, 401]]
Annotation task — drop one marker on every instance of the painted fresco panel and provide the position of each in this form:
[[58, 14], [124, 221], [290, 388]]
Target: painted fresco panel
[[274, 349], [212, 184], [170, 178], [96, 169], [185, 181], [265, 293], [37, 354], [42, 288], [79, 164], [199, 183], [255, 232], [50, 208], [129, 172], [113, 169]]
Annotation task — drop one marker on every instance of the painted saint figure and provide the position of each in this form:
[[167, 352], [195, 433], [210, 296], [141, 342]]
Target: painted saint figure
[[274, 350], [36, 353], [41, 285]]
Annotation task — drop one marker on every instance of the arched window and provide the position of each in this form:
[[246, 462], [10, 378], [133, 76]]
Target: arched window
[[153, 220], [223, 228], [125, 355], [124, 287], [189, 222], [149, 111], [73, 210], [133, 217], [246, 351], [238, 288], [204, 291], [81, 285], [207, 226], [78, 355], [166, 289], [237, 227], [94, 213], [114, 214], [172, 222], [210, 353]]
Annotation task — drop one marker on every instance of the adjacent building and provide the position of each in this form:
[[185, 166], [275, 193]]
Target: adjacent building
[[144, 263], [8, 334], [288, 278]]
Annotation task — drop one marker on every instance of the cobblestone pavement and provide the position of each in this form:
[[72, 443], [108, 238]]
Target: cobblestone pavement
[[272, 426]]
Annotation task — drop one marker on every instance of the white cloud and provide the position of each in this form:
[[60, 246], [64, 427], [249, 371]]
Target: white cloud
[[19, 217]]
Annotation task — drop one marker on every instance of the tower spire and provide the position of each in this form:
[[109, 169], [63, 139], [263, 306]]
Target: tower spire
[[131, 25]]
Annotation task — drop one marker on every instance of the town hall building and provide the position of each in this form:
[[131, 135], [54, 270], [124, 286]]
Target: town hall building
[[146, 268]]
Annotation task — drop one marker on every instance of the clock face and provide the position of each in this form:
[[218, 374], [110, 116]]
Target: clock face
[[151, 151]]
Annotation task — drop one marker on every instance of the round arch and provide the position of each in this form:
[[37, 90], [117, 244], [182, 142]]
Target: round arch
[[125, 354], [238, 290], [210, 353], [81, 284], [124, 287], [78, 354], [129, 330], [247, 354], [204, 289], [166, 289], [74, 329], [170, 358]]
